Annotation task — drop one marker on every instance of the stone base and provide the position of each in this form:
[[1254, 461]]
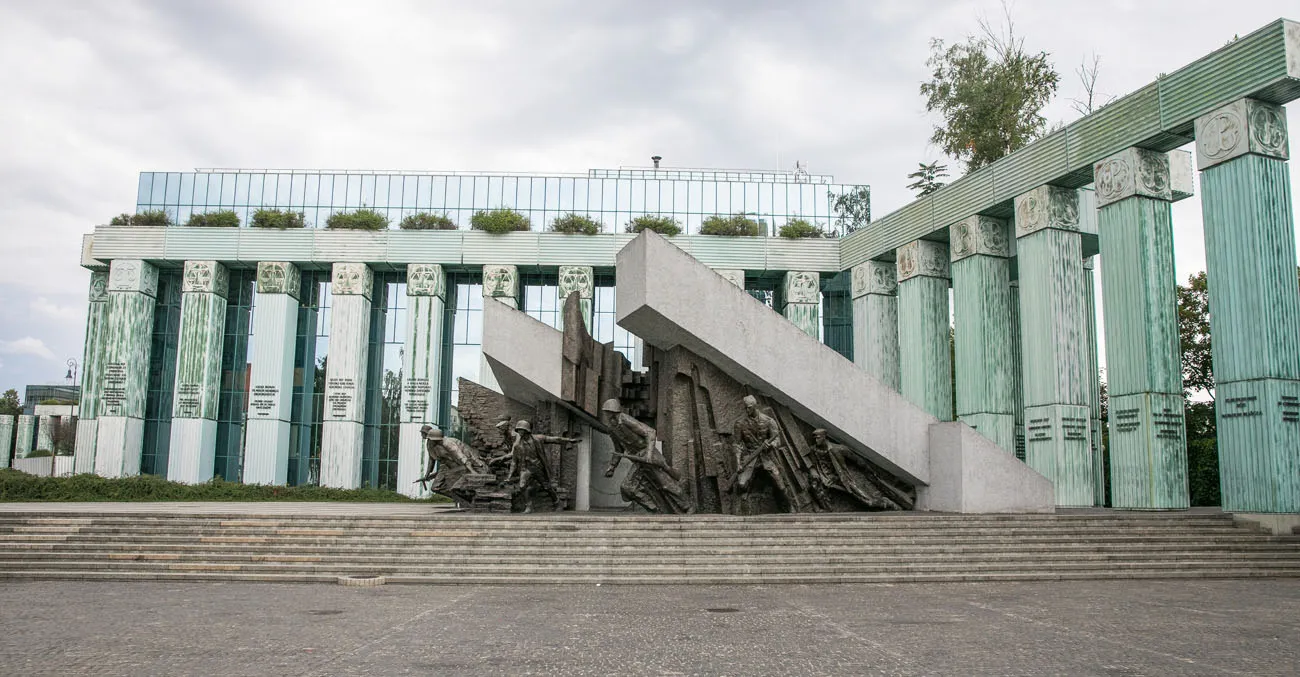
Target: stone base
[[1276, 524], [410, 461], [266, 452], [340, 455], [1148, 452], [192, 452], [1259, 445], [84, 454], [1056, 445], [999, 428], [970, 474], [119, 441]]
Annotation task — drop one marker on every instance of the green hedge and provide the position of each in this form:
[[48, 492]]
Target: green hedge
[[18, 486], [737, 225], [799, 228], [361, 219], [664, 225], [225, 218], [427, 221], [575, 224], [278, 219], [154, 217], [499, 221]]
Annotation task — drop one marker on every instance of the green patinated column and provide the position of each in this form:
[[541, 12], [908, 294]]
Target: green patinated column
[[124, 372], [342, 432], [25, 438], [981, 289], [875, 320], [801, 301], [426, 294], [91, 365], [1254, 304], [500, 282], [1049, 257], [1093, 376], [6, 439], [925, 362], [1148, 443], [204, 286], [45, 432], [579, 279], [1017, 371], [270, 377]]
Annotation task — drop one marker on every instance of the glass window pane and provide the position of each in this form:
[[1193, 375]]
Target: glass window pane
[[144, 193], [255, 184], [241, 189], [379, 191], [159, 193]]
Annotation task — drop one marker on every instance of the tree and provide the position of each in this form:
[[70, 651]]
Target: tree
[[927, 178], [989, 91], [852, 209], [1092, 98], [9, 403], [1194, 336]]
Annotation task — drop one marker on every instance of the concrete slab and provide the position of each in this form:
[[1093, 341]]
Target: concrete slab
[[523, 353]]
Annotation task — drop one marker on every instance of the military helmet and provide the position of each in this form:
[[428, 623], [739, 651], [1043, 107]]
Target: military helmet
[[435, 433], [523, 425], [750, 399], [612, 405]]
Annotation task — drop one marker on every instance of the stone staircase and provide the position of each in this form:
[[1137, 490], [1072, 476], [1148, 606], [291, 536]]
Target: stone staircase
[[637, 549]]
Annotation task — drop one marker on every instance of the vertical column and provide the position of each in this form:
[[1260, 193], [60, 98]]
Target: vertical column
[[1017, 371], [801, 303], [6, 438], [343, 429], [91, 367], [1094, 384], [1050, 261], [581, 279], [45, 432], [1254, 304], [1148, 445], [875, 320], [270, 383], [500, 282], [26, 436], [426, 294], [204, 286], [735, 276], [124, 372], [981, 290], [925, 360]]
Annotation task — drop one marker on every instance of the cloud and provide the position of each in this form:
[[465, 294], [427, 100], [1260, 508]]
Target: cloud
[[43, 306], [27, 346]]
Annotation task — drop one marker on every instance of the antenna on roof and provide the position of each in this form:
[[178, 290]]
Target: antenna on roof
[[655, 159]]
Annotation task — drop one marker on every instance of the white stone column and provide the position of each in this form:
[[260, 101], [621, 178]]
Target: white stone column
[[193, 448], [6, 438], [500, 283], [426, 294], [582, 488], [91, 366], [735, 276], [45, 432], [801, 301], [270, 383], [342, 433], [925, 360], [26, 436], [581, 279], [124, 375], [1094, 383], [875, 320]]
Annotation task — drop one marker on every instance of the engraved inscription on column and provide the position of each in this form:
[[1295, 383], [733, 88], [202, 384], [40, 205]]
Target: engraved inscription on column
[[113, 393], [1168, 424], [261, 404], [1126, 420], [1074, 428], [1241, 407], [1289, 406], [187, 400], [340, 395], [1038, 430]]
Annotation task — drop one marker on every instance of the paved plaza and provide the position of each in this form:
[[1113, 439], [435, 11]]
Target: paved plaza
[[1083, 628]]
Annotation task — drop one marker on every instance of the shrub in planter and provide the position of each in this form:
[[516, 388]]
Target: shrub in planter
[[797, 228], [225, 218], [361, 219], [153, 217], [277, 218], [575, 224], [40, 453], [427, 221], [664, 225], [737, 225], [498, 221]]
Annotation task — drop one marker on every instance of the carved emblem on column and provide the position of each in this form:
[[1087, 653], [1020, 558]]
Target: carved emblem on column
[[1268, 130], [1243, 126], [1132, 171], [149, 279], [1047, 207], [733, 275], [978, 235], [205, 276], [802, 287], [874, 277], [278, 277], [352, 278], [133, 275], [98, 287], [501, 281], [922, 257], [425, 279], [576, 278]]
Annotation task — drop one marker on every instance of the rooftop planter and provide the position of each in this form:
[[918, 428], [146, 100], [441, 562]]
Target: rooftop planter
[[575, 224], [499, 221], [664, 225], [798, 228], [225, 218], [278, 219], [361, 219], [427, 221], [737, 225], [152, 218]]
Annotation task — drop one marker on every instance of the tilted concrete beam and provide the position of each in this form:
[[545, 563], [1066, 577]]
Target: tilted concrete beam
[[523, 353]]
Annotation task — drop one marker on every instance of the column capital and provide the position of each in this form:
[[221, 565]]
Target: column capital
[[278, 277], [735, 276], [355, 279], [426, 279], [501, 281], [133, 275], [922, 258], [1131, 172], [581, 279], [802, 287], [979, 235], [207, 277], [1047, 207], [1241, 127], [98, 286], [874, 277]]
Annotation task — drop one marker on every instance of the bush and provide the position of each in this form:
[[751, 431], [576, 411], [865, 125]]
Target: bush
[[737, 225], [277, 218], [575, 224], [498, 221], [664, 225], [1203, 471], [225, 218], [40, 453], [58, 401], [153, 217], [427, 221], [18, 486], [361, 219], [797, 228]]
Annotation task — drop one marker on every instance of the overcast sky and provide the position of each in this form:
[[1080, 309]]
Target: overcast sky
[[95, 92]]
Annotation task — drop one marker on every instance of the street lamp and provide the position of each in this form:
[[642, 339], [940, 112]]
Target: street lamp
[[71, 376]]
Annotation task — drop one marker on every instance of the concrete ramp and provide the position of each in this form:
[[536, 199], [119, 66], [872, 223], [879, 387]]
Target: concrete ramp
[[523, 353], [668, 298]]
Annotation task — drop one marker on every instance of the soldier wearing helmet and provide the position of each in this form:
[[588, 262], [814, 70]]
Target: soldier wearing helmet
[[757, 440], [652, 483], [447, 455], [528, 458]]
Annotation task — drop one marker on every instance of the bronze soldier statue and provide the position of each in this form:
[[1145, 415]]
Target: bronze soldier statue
[[829, 472], [528, 459], [652, 483], [448, 459], [757, 438]]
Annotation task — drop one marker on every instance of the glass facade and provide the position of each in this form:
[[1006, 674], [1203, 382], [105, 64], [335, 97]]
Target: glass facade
[[162, 374], [612, 197], [307, 403], [236, 364], [384, 381]]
